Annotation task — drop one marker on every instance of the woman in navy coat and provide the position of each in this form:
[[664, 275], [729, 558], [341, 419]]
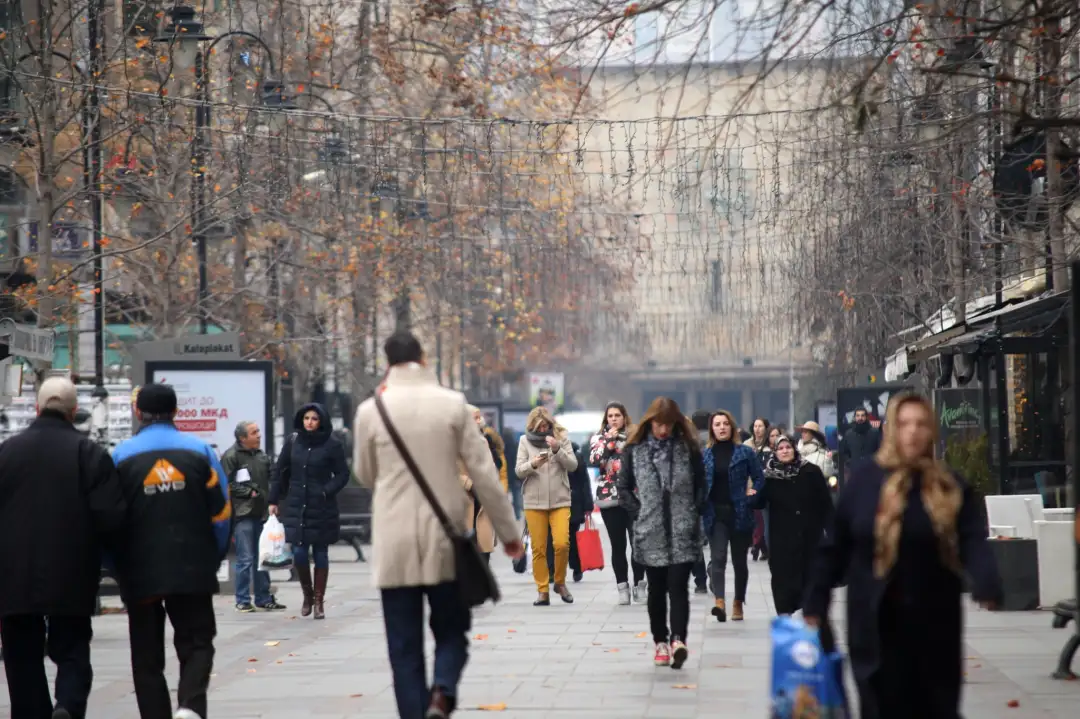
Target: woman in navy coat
[[906, 534], [309, 473]]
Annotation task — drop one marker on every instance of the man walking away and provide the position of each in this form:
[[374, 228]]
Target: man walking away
[[60, 504], [860, 439], [247, 468], [413, 557], [179, 533]]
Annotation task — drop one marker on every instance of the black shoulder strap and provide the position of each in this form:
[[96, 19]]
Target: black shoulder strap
[[417, 475]]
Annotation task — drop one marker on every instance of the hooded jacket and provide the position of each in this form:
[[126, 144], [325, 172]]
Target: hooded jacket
[[309, 473]]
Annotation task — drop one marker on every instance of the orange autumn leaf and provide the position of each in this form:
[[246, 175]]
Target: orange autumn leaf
[[684, 686], [480, 637], [639, 635], [500, 707]]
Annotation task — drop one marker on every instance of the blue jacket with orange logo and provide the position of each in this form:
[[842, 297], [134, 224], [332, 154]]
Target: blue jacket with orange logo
[[179, 522]]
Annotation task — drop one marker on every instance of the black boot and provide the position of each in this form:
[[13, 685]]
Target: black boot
[[321, 575]]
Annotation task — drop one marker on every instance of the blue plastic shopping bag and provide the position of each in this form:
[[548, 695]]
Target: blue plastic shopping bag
[[807, 682]]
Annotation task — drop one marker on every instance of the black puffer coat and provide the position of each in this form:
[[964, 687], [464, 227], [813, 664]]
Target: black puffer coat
[[309, 473]]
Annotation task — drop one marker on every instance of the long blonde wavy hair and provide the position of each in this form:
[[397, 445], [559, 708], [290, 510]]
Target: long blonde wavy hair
[[941, 493], [540, 414]]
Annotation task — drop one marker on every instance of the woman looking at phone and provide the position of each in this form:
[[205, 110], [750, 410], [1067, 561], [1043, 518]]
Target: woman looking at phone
[[545, 459]]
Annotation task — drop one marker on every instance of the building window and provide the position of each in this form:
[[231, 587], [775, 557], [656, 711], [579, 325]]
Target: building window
[[732, 186]]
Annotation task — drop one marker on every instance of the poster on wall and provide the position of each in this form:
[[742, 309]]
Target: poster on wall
[[874, 399], [492, 412], [825, 416], [546, 390], [212, 397], [514, 419]]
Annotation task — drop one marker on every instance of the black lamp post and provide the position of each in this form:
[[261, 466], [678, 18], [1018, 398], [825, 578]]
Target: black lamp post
[[184, 34]]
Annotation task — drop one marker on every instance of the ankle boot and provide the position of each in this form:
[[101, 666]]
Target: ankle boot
[[303, 574], [321, 575], [737, 611]]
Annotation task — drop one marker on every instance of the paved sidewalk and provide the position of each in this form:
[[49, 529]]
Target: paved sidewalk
[[589, 659]]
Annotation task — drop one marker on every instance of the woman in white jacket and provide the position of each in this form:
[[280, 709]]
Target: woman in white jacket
[[813, 449]]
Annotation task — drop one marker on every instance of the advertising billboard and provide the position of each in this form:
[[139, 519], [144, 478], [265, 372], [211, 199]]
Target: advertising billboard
[[213, 397]]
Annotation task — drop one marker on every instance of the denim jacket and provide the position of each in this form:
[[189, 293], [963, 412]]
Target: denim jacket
[[744, 466]]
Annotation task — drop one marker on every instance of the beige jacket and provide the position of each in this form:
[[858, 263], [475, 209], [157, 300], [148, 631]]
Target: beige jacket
[[548, 486], [409, 546]]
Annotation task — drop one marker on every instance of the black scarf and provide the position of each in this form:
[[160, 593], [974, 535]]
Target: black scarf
[[775, 469], [538, 439]]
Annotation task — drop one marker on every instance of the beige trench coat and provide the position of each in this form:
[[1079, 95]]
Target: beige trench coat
[[546, 486], [409, 547]]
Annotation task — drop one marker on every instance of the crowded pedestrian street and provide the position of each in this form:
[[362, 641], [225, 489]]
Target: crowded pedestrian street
[[590, 659]]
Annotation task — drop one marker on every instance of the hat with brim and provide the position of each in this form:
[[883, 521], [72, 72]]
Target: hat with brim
[[814, 428]]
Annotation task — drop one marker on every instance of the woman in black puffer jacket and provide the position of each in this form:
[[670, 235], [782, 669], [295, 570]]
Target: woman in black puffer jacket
[[309, 473]]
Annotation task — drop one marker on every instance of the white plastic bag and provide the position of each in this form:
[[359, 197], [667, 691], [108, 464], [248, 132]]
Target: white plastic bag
[[274, 553]]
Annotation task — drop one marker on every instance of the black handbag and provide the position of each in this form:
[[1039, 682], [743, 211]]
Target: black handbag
[[475, 581]]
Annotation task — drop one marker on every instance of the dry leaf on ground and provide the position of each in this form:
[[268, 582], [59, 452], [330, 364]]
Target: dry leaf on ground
[[1012, 704], [480, 637], [271, 644], [500, 707], [639, 635], [684, 686]]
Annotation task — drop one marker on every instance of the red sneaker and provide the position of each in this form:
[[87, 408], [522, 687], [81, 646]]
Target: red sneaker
[[662, 658]]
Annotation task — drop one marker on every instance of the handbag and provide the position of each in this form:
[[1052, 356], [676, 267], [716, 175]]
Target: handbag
[[589, 547], [522, 563], [475, 581]]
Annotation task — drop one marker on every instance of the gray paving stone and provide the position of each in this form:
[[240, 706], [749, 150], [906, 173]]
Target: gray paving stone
[[590, 659]]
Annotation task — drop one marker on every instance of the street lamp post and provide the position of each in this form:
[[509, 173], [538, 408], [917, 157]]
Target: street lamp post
[[184, 34]]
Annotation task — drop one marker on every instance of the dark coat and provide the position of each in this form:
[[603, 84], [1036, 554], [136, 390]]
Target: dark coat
[[60, 502], [667, 524], [581, 500], [744, 466], [309, 473], [928, 593], [800, 508], [858, 444]]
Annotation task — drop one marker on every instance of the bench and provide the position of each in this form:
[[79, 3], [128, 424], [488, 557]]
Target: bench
[[354, 509]]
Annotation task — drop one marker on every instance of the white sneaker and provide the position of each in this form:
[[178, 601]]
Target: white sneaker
[[186, 714], [641, 592], [624, 593]]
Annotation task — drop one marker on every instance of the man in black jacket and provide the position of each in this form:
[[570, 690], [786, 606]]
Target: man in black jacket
[[177, 538], [860, 440], [60, 504]]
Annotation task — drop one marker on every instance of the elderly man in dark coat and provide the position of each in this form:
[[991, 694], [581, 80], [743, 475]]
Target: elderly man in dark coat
[[60, 504]]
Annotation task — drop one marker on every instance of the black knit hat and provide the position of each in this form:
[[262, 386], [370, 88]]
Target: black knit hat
[[156, 399]]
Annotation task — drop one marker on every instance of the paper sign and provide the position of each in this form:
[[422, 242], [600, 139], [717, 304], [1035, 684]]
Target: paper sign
[[242, 475]]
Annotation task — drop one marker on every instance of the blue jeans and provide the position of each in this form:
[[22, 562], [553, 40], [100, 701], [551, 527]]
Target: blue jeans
[[247, 531], [450, 620], [320, 551]]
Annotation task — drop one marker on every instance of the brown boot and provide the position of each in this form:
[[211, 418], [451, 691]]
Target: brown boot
[[720, 611], [736, 611], [303, 574], [321, 575]]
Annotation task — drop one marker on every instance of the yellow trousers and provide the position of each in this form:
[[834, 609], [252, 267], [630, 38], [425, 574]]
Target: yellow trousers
[[558, 521]]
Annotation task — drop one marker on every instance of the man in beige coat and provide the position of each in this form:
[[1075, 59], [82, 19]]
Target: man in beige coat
[[412, 556]]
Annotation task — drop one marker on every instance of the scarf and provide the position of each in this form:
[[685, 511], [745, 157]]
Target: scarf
[[775, 469], [660, 455], [940, 493], [538, 439]]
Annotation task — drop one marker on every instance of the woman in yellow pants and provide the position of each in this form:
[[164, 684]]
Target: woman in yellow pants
[[544, 462]]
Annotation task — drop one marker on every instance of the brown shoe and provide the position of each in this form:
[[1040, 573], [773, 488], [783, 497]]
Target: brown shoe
[[440, 706], [720, 611], [736, 611], [303, 574], [564, 593], [543, 599], [321, 575]]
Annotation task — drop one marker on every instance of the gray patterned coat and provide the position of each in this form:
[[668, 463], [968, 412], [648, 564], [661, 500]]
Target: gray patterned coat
[[667, 524]]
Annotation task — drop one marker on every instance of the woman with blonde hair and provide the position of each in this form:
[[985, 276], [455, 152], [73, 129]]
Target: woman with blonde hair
[[662, 486], [906, 534], [544, 461]]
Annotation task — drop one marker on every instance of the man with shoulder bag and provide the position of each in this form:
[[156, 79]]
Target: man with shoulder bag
[[409, 438]]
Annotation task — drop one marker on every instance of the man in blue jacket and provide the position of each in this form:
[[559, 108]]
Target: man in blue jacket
[[178, 537]]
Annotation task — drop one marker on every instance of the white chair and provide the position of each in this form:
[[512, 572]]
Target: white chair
[[1013, 515], [1056, 546]]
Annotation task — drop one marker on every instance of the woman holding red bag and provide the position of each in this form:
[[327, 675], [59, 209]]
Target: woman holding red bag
[[605, 453], [581, 507]]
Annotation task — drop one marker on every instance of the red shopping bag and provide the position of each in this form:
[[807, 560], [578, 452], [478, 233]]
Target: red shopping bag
[[590, 549]]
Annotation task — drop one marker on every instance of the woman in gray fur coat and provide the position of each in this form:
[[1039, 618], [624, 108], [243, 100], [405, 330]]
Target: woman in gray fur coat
[[662, 486]]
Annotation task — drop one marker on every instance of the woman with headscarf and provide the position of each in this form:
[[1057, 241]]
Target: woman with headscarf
[[800, 505], [545, 459], [662, 487], [906, 533], [605, 453]]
